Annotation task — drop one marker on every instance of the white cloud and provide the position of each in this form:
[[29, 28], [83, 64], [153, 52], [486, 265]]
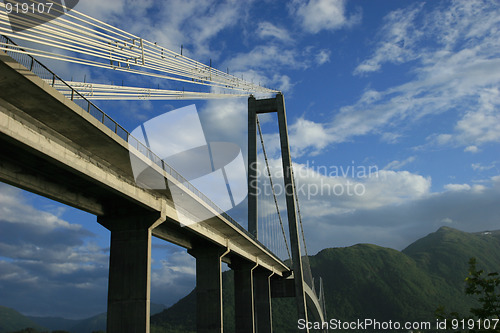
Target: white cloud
[[266, 57], [264, 64], [459, 74], [282, 82], [477, 188], [326, 192], [471, 149], [317, 15], [447, 220], [103, 10], [323, 56], [306, 134], [174, 278], [443, 139], [334, 190], [457, 187], [46, 260], [463, 81], [217, 114], [390, 137], [481, 167], [306, 137], [398, 38], [14, 210], [269, 30], [391, 187], [171, 23], [217, 17], [481, 125], [399, 222], [395, 165]]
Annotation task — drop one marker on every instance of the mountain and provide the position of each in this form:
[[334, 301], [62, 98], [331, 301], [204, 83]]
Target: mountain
[[92, 324], [11, 321], [369, 281], [180, 318], [447, 251], [98, 322], [54, 323]]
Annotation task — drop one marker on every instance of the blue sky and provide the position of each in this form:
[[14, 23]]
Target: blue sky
[[407, 88]]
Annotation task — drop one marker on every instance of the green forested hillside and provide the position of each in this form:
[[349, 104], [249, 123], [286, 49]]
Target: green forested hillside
[[11, 321], [369, 281], [447, 251]]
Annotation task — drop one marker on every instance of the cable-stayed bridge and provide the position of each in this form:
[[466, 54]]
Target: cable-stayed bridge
[[55, 142]]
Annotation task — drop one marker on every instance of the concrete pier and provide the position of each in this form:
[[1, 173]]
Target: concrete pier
[[129, 272], [243, 296], [263, 308], [209, 311]]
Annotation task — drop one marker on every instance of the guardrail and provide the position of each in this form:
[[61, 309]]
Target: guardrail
[[28, 61]]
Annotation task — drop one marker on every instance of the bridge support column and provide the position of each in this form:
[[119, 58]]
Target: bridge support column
[[129, 284], [253, 226], [262, 292], [291, 210], [209, 311], [243, 296]]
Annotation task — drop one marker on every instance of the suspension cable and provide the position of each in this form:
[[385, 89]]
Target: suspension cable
[[96, 91], [272, 186], [298, 213]]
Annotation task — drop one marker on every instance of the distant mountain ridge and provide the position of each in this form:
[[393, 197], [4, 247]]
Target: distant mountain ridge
[[11, 321], [362, 281], [370, 281]]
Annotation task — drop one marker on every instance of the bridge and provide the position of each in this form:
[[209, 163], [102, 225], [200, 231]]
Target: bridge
[[57, 143]]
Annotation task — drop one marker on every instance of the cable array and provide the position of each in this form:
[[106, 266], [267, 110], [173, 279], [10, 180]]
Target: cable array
[[306, 266], [272, 186], [96, 91], [270, 217], [270, 221], [78, 38]]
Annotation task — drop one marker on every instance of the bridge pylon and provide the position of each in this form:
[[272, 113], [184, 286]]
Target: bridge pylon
[[277, 105]]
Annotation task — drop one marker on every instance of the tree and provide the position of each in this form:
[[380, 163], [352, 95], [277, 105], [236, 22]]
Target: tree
[[487, 288], [485, 318]]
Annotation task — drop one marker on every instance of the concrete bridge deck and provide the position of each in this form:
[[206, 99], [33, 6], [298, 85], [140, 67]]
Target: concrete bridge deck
[[51, 146]]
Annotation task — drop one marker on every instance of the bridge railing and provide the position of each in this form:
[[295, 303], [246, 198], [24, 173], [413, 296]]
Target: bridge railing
[[54, 80]]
